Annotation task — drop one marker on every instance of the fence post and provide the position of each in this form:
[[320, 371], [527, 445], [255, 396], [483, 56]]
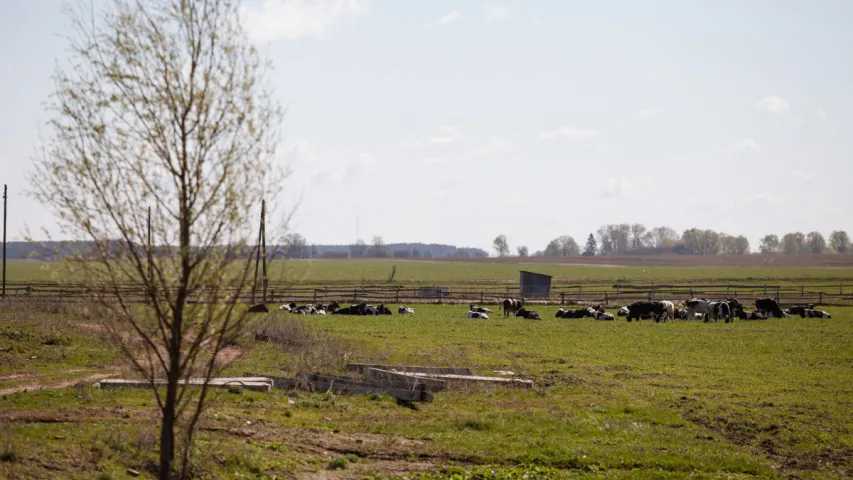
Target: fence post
[[727, 290], [841, 288], [482, 297], [691, 292], [821, 297], [802, 290], [562, 298], [606, 301]]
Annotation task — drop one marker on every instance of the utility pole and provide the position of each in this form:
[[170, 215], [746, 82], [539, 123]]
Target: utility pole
[[264, 246], [5, 201]]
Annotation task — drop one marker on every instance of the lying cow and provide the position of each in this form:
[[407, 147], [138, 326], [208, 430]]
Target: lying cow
[[743, 315], [511, 305], [475, 308], [604, 316], [360, 309], [478, 315], [799, 309], [579, 313], [405, 310], [684, 314], [528, 314], [769, 308], [810, 313]]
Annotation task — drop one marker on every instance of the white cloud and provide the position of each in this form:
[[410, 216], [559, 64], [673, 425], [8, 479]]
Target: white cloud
[[446, 135], [616, 187], [774, 105], [569, 132], [321, 165], [445, 20], [493, 146], [433, 160], [407, 144], [647, 113], [764, 198], [495, 13], [537, 21], [275, 20], [803, 175], [745, 144], [821, 114]]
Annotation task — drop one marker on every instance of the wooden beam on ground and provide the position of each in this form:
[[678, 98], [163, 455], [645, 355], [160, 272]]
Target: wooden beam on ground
[[362, 368], [451, 378], [258, 384], [404, 380], [349, 386]]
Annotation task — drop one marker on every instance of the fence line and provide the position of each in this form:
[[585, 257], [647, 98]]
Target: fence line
[[486, 294]]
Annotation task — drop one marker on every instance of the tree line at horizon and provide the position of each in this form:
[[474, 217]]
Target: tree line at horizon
[[615, 239]]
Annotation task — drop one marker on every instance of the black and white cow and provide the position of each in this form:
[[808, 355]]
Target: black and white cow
[[405, 310], [475, 308], [383, 310], [810, 313], [528, 314], [587, 312], [769, 308], [604, 316], [478, 315], [744, 315], [656, 310], [709, 309], [684, 314], [511, 305]]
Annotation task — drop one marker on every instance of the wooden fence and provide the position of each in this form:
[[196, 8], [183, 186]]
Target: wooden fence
[[485, 294]]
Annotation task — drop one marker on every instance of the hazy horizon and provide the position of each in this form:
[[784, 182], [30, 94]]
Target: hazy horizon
[[454, 122]]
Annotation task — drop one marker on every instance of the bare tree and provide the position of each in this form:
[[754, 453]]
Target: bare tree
[[769, 244], [522, 251], [731, 245], [358, 249], [501, 245], [839, 241], [638, 231], [815, 242], [794, 243], [662, 237], [295, 246], [163, 103], [563, 246]]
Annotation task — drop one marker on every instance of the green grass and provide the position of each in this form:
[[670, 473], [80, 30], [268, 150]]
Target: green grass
[[432, 272], [611, 400]]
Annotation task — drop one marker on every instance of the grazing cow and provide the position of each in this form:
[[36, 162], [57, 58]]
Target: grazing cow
[[478, 315], [769, 308], [406, 310], [734, 304], [743, 315], [383, 310], [579, 313], [259, 308], [475, 308], [709, 309], [604, 316], [639, 309], [511, 305], [810, 313], [528, 314]]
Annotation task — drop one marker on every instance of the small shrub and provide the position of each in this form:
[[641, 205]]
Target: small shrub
[[235, 389], [340, 463], [477, 424], [56, 338], [8, 456]]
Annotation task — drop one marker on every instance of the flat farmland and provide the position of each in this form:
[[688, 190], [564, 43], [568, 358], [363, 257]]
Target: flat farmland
[[503, 271], [765, 399]]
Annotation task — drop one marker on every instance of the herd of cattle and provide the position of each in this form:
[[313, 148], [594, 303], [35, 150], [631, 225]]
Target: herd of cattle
[[695, 309], [660, 311]]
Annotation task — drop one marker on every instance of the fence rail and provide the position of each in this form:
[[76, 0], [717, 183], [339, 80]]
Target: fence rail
[[486, 294]]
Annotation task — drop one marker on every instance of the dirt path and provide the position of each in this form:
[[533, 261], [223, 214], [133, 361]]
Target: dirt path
[[32, 387]]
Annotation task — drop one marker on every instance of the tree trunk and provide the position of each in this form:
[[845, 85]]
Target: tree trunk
[[167, 432]]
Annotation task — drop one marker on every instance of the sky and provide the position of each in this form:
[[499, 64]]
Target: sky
[[455, 121]]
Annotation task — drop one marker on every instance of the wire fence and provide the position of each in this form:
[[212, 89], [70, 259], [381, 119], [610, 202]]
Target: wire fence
[[485, 294]]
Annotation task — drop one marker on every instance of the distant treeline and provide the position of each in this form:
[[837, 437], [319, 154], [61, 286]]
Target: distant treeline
[[297, 249]]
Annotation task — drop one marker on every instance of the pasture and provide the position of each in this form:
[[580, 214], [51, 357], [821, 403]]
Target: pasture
[[763, 399], [430, 272]]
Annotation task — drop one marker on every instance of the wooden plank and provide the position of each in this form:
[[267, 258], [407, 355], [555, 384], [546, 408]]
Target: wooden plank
[[349, 386], [404, 380], [362, 368], [254, 384], [475, 378]]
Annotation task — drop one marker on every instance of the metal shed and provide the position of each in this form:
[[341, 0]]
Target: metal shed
[[535, 285]]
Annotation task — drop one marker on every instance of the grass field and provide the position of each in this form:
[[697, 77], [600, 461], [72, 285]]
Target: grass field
[[456, 272], [765, 399]]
